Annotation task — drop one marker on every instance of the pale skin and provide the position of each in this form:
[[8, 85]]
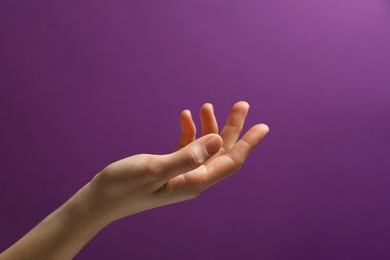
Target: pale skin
[[144, 181]]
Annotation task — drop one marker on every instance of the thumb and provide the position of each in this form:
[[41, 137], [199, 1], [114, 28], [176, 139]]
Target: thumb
[[191, 156]]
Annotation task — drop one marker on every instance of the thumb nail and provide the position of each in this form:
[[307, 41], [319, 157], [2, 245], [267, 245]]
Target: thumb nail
[[213, 144]]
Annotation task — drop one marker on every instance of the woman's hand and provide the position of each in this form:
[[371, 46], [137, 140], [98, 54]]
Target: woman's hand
[[142, 182], [146, 181]]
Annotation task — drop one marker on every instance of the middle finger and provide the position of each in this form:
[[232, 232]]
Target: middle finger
[[234, 124]]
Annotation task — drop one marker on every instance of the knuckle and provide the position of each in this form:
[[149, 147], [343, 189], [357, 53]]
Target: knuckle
[[195, 192], [153, 165], [236, 165], [236, 127], [193, 159], [239, 128]]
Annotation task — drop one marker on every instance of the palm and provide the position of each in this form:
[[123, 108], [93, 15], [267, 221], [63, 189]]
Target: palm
[[230, 157]]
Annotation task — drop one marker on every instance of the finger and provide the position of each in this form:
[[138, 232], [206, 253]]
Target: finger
[[225, 165], [234, 124], [188, 129], [190, 157], [208, 120]]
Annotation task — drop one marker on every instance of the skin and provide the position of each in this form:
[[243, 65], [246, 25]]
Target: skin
[[144, 181]]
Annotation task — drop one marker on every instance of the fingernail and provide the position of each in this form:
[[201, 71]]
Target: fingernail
[[213, 144]]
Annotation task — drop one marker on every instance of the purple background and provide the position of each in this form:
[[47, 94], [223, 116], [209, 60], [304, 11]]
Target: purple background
[[85, 83]]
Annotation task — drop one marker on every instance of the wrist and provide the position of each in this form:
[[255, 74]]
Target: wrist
[[87, 208]]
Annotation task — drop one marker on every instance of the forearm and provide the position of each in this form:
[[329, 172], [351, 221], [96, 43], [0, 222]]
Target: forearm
[[61, 235]]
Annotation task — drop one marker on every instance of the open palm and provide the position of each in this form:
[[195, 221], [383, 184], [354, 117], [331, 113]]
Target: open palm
[[225, 162]]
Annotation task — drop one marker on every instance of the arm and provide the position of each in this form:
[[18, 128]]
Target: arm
[[142, 182]]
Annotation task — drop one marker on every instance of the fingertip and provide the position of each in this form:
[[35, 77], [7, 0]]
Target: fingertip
[[185, 113], [243, 103], [206, 106], [262, 128], [241, 106], [265, 127]]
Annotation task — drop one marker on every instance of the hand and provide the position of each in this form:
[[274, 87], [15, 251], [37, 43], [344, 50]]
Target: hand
[[146, 181], [142, 182]]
